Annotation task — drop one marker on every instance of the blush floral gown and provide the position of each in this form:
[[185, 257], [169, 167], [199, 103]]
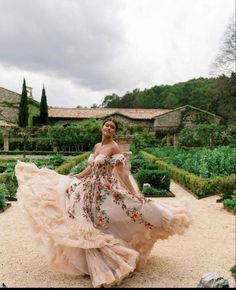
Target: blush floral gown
[[93, 225]]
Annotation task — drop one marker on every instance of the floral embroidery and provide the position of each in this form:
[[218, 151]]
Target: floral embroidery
[[137, 216], [93, 190]]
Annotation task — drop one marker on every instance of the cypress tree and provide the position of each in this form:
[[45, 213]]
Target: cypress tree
[[23, 110], [43, 108]]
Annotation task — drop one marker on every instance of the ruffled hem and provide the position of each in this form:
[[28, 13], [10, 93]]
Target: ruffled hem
[[72, 246]]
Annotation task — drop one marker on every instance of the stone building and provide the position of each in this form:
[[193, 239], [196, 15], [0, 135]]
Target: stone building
[[175, 120], [9, 112], [9, 106], [138, 117], [170, 123]]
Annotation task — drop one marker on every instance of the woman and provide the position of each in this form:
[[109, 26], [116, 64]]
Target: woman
[[95, 222]]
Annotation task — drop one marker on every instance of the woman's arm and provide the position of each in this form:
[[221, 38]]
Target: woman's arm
[[124, 176], [83, 173], [88, 169]]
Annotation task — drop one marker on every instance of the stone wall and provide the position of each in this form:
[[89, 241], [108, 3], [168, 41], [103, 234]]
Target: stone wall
[[9, 107], [133, 122], [120, 119], [183, 117], [9, 96]]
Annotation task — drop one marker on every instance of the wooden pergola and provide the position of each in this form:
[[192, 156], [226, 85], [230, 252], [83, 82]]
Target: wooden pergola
[[6, 126]]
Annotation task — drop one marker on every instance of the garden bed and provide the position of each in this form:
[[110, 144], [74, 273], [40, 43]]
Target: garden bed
[[167, 194], [7, 206], [11, 198]]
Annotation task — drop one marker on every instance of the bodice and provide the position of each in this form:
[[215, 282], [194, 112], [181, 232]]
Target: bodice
[[103, 165]]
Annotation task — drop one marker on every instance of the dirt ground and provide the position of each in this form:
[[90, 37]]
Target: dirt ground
[[180, 261]]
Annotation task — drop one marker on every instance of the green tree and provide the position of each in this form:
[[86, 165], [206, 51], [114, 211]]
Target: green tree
[[109, 100], [193, 92], [23, 110], [223, 97], [43, 109], [170, 101]]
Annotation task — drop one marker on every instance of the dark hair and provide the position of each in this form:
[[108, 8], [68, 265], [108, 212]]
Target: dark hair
[[113, 121]]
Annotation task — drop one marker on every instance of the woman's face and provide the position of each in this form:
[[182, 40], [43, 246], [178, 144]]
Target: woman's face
[[109, 129]]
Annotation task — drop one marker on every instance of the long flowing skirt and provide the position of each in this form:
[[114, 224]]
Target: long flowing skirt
[[108, 247]]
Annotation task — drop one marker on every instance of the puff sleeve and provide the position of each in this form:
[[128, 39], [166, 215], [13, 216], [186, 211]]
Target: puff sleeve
[[119, 157]]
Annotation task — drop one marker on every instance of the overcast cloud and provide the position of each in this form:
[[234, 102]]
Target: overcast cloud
[[82, 50]]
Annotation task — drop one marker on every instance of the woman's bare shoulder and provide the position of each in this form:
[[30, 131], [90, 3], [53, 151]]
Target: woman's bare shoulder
[[115, 148], [96, 146]]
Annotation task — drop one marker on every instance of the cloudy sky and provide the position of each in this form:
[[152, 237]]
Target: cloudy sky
[[83, 50]]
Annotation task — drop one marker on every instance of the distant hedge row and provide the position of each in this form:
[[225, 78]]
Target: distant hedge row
[[200, 186]]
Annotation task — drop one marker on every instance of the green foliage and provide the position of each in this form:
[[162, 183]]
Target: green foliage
[[200, 186], [136, 163], [207, 135], [233, 271], [87, 133], [227, 187], [156, 178], [193, 92], [144, 139], [152, 191], [56, 160], [10, 169], [18, 152], [80, 167], [223, 97], [33, 108], [66, 167], [43, 108], [23, 110], [217, 95], [3, 194], [10, 182], [165, 151], [230, 203], [204, 162]]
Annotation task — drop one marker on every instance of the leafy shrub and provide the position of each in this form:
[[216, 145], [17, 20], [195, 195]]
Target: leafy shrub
[[200, 186], [227, 187], [3, 167], [136, 164], [10, 182], [35, 143], [137, 161], [156, 178], [56, 160], [230, 203], [66, 167], [233, 271], [151, 191], [204, 162], [206, 135], [150, 165], [3, 193], [80, 167], [145, 139]]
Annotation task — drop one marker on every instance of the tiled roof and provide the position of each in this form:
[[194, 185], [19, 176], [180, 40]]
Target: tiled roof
[[104, 112]]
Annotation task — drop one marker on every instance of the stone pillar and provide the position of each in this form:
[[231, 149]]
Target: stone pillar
[[6, 135], [124, 142], [55, 149], [168, 143], [176, 139]]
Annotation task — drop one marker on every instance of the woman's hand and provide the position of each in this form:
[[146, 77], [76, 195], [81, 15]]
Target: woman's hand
[[137, 195]]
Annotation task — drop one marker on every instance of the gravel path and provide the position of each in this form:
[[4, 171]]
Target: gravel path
[[180, 261]]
